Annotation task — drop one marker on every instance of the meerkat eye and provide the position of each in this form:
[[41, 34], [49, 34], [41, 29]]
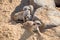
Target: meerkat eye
[[38, 23], [25, 8], [34, 24]]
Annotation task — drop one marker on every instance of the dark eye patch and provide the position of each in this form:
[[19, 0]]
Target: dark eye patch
[[34, 24], [38, 23], [25, 9]]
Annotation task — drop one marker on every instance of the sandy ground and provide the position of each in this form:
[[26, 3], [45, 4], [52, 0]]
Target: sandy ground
[[10, 31]]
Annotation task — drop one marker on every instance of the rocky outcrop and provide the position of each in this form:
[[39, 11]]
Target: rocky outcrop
[[48, 16]]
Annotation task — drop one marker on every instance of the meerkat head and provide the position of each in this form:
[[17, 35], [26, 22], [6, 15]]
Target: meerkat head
[[28, 26], [29, 7], [26, 8], [31, 26], [40, 25], [38, 22]]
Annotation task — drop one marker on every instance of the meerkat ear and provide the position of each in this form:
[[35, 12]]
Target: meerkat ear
[[31, 8], [26, 7]]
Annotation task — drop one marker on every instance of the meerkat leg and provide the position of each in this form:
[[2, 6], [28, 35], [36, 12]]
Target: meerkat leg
[[23, 19], [39, 37]]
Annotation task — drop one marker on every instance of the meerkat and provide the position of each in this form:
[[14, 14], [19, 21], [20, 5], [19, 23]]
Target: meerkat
[[34, 27], [23, 15], [42, 3], [29, 14]]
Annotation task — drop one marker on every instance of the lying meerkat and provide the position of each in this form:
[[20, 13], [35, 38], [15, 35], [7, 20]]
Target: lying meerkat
[[23, 15], [42, 3]]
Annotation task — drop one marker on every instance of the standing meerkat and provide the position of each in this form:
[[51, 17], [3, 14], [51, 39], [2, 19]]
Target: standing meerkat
[[35, 27]]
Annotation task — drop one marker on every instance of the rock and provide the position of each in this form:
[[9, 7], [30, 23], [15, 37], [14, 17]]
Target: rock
[[48, 16], [39, 3], [41, 15], [54, 16]]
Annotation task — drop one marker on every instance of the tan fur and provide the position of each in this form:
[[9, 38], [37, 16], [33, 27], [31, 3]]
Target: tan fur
[[23, 14], [19, 15], [30, 26]]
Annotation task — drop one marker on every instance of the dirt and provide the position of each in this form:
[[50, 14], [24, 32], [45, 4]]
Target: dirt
[[9, 31]]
